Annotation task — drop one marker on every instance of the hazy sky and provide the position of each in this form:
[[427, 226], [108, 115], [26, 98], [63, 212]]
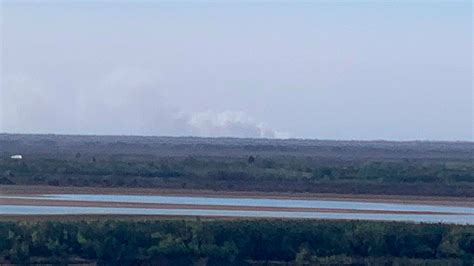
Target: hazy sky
[[398, 70]]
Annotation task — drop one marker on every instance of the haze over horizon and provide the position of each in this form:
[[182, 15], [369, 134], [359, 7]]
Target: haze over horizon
[[322, 70]]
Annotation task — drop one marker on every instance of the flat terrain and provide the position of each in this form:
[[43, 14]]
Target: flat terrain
[[31, 202], [434, 176], [39, 190], [242, 166]]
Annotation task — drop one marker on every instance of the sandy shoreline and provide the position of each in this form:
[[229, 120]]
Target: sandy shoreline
[[66, 203], [38, 190]]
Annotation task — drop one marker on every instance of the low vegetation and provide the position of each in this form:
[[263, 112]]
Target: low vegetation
[[403, 168]]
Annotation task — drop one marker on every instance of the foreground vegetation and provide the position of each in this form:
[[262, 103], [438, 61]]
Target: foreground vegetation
[[211, 242], [400, 168]]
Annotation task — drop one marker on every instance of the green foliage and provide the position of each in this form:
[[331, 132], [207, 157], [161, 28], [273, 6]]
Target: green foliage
[[399, 168], [226, 242], [266, 174]]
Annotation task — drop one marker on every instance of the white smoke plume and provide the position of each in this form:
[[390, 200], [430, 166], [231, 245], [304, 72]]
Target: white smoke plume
[[129, 101], [230, 124]]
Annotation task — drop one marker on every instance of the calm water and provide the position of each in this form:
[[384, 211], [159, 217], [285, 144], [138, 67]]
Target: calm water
[[326, 204], [465, 215], [50, 210]]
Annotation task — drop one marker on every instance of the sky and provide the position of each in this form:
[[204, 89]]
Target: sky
[[354, 70]]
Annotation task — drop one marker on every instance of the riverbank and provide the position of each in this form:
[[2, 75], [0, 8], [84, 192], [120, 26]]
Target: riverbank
[[36, 201], [39, 190]]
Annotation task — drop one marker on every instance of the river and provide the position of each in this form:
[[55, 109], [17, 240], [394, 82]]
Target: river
[[263, 208]]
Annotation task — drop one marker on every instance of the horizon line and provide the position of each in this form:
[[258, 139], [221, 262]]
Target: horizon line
[[242, 138]]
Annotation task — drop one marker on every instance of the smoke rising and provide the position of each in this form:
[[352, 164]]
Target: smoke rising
[[125, 101], [243, 70], [229, 123]]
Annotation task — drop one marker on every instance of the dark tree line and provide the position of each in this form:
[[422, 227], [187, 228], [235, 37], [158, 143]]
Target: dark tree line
[[187, 242], [289, 174]]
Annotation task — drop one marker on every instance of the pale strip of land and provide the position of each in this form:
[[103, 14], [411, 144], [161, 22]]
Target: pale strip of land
[[39, 190], [68, 203]]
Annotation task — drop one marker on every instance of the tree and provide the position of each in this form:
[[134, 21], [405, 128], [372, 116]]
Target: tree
[[251, 159]]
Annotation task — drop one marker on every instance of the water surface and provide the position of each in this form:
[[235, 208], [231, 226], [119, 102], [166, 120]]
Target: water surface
[[443, 214], [56, 210], [255, 202]]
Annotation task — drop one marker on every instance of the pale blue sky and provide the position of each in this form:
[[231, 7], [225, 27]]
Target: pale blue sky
[[398, 70]]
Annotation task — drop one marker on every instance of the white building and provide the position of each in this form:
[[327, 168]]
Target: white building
[[16, 157]]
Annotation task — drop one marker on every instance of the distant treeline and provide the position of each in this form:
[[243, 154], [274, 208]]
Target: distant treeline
[[207, 242], [248, 168], [290, 174], [367, 167]]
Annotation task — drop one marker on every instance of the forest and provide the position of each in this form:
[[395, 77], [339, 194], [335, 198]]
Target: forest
[[346, 167], [236, 242]]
